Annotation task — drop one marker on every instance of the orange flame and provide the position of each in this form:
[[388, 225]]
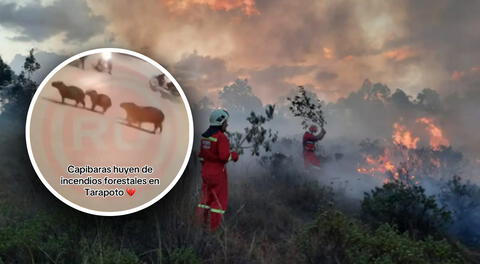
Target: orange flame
[[402, 160], [402, 136], [377, 165], [436, 134]]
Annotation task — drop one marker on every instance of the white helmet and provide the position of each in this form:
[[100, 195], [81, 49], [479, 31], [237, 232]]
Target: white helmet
[[218, 117]]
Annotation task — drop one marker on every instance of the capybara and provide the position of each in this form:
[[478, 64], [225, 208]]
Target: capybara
[[99, 99], [143, 114], [70, 92]]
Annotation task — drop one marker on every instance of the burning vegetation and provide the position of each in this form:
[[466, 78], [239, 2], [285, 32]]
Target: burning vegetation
[[436, 134], [404, 160]]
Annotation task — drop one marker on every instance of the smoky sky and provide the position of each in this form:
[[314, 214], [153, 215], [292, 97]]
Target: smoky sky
[[326, 76], [277, 77], [448, 28], [36, 22], [406, 44], [331, 46], [203, 71]]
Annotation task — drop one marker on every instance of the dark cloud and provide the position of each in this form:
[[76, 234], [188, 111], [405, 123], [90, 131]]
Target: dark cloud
[[203, 72], [35, 22], [322, 76]]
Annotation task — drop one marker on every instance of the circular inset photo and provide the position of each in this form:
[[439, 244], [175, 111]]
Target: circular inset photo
[[109, 132]]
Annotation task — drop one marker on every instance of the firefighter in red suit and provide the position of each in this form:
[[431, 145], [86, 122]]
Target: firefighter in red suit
[[214, 154], [309, 141]]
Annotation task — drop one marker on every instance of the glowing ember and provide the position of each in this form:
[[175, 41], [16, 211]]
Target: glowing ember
[[402, 136], [436, 135]]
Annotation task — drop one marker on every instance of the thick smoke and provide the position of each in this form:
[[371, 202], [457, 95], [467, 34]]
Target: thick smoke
[[372, 113], [329, 45]]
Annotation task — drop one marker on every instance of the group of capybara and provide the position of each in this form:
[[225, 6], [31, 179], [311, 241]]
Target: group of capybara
[[135, 114]]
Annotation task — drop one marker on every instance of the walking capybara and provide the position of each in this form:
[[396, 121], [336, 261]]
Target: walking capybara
[[70, 92], [143, 114], [99, 99]]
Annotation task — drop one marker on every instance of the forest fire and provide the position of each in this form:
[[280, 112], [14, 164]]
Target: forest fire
[[402, 136], [403, 159], [377, 166], [436, 134]]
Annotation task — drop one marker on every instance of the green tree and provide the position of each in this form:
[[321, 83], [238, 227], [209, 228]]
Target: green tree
[[377, 91], [400, 99], [306, 107], [6, 74], [239, 97], [407, 207], [19, 95], [31, 65], [429, 99], [336, 238], [462, 198], [256, 134]]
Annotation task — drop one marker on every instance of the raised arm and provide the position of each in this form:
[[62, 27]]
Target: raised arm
[[320, 135]]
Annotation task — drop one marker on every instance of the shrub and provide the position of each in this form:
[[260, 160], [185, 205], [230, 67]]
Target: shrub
[[406, 207], [335, 238], [463, 200]]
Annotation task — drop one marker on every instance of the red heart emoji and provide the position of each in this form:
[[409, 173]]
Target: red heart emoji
[[131, 191]]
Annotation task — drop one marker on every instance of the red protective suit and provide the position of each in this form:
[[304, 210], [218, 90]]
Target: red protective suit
[[309, 157], [214, 154]]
